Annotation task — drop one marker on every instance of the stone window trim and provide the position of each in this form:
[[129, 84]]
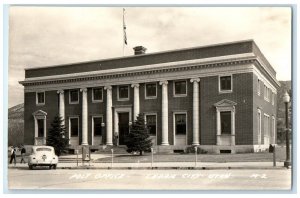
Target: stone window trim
[[186, 89], [259, 126], [118, 93], [151, 114], [94, 100], [221, 106], [174, 126], [37, 98], [72, 117], [73, 102], [231, 85], [258, 86], [40, 115], [150, 97], [93, 132]]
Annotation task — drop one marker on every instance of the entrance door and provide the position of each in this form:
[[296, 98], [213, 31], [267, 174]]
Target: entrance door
[[123, 127]]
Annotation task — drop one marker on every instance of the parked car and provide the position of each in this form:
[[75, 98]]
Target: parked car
[[42, 156]]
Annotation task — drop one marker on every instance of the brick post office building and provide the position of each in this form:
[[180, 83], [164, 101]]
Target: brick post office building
[[221, 97]]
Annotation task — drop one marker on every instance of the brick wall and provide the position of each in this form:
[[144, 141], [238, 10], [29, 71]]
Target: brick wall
[[50, 107], [242, 95], [265, 107]]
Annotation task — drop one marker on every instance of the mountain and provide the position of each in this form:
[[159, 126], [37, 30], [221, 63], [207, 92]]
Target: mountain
[[16, 112]]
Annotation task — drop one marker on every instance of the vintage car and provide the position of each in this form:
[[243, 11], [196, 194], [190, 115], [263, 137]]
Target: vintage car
[[42, 156]]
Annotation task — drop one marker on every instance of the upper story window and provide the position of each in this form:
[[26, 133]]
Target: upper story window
[[258, 87], [150, 90], [225, 85], [97, 95], [123, 92], [40, 98], [273, 98], [74, 97], [180, 88]]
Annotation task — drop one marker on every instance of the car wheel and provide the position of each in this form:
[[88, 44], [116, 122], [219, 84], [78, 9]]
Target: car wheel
[[50, 167], [54, 166], [30, 167]]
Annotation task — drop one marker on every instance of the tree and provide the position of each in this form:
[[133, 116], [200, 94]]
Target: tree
[[57, 136], [138, 139]]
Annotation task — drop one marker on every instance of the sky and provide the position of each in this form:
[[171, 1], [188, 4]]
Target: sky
[[44, 36]]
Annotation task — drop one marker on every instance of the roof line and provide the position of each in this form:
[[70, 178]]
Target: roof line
[[147, 54]]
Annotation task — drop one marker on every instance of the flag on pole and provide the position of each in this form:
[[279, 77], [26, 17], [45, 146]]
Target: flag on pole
[[124, 27]]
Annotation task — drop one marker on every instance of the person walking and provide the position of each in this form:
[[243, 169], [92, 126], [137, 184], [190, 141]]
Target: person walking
[[23, 151], [13, 155]]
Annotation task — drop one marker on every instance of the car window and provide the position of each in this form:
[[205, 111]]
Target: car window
[[43, 149]]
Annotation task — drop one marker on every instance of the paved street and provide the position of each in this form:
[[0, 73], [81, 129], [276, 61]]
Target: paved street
[[239, 179]]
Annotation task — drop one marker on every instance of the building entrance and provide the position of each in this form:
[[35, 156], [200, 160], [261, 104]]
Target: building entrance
[[123, 127]]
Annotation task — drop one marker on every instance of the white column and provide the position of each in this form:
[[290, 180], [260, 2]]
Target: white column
[[164, 112], [218, 127], [109, 133], [35, 130], [84, 117], [195, 82], [233, 126], [62, 105], [116, 122], [136, 102], [45, 132]]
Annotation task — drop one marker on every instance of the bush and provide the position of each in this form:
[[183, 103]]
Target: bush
[[191, 149]]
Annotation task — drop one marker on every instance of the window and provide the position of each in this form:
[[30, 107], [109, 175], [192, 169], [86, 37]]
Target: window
[[180, 88], [97, 95], [259, 126], [225, 122], [150, 89], [180, 124], [225, 84], [74, 127], [97, 126], [74, 97], [40, 98], [258, 87], [266, 125], [151, 124], [40, 127], [273, 98], [123, 92]]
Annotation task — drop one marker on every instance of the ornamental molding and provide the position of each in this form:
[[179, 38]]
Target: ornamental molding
[[136, 71]]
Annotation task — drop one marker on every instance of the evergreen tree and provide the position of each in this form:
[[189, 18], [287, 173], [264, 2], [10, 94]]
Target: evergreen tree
[[57, 136], [138, 139]]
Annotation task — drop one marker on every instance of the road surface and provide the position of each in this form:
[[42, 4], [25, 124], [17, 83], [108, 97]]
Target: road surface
[[235, 179]]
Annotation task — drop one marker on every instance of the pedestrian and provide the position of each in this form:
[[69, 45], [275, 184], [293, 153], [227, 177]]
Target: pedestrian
[[23, 151], [13, 155]]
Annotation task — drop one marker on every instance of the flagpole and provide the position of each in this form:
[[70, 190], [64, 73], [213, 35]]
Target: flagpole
[[123, 31]]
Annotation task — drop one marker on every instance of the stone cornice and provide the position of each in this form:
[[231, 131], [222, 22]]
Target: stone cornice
[[91, 77]]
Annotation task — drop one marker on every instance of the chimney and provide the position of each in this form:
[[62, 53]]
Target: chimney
[[138, 50]]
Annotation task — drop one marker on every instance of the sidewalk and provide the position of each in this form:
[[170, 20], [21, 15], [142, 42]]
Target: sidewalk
[[165, 165]]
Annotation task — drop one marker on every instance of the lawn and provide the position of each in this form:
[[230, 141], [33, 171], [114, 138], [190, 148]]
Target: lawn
[[245, 157]]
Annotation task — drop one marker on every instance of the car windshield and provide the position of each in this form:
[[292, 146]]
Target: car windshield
[[43, 149]]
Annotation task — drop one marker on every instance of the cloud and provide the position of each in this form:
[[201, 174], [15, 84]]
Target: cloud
[[41, 36]]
